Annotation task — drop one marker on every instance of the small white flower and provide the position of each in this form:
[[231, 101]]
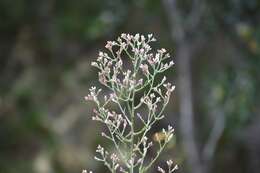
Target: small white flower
[[160, 169], [114, 157], [110, 45], [137, 36], [150, 36], [163, 50], [144, 68], [176, 167], [169, 162], [142, 38], [94, 64], [123, 35]]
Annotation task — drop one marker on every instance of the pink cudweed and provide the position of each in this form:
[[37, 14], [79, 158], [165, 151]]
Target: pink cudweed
[[133, 88]]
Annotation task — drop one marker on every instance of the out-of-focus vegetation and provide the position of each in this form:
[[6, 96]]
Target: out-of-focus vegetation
[[46, 48]]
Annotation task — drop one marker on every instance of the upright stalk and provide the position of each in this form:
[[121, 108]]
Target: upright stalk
[[124, 85]]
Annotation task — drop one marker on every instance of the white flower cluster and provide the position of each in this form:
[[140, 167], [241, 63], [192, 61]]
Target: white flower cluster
[[130, 70], [137, 48], [171, 167], [85, 171]]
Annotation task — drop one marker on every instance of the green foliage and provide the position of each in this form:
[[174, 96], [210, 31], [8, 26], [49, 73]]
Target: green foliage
[[45, 46]]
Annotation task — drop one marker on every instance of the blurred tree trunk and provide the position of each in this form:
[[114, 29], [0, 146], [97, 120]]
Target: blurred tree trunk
[[182, 26], [186, 106], [184, 55], [184, 30]]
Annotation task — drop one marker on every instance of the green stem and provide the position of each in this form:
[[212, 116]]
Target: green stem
[[132, 133]]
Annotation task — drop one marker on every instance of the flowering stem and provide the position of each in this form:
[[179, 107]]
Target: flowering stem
[[125, 85]]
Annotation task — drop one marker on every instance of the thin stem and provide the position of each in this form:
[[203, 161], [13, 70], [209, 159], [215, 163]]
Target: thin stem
[[132, 132], [156, 157]]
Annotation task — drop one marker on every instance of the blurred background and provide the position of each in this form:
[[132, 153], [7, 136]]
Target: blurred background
[[46, 47]]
